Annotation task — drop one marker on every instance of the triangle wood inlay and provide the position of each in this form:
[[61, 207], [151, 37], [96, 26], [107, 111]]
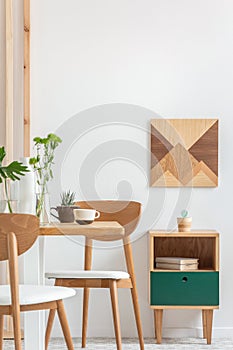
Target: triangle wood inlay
[[184, 152], [159, 146], [206, 148]]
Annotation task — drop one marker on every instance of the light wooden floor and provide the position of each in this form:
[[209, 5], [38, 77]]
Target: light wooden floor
[[132, 344]]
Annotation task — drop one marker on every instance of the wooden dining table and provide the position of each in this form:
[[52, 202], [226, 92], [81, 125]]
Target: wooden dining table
[[34, 267]]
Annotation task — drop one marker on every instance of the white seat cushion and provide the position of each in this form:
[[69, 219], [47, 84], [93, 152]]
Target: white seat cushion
[[115, 275], [31, 294]]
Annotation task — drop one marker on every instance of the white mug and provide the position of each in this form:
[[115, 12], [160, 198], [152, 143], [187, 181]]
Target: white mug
[[85, 216]]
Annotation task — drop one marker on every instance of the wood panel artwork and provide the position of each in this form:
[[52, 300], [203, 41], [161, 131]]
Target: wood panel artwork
[[184, 152]]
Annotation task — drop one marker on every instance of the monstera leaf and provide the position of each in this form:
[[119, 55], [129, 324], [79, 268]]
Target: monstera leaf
[[13, 171]]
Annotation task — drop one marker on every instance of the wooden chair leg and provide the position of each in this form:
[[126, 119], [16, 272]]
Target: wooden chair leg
[[64, 324], [130, 268], [137, 316], [13, 272], [116, 315], [17, 329], [86, 293], [204, 323], [209, 321], [1, 331], [158, 324], [49, 327]]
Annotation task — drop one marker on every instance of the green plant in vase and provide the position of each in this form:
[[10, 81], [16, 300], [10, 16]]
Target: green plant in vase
[[42, 164], [8, 173]]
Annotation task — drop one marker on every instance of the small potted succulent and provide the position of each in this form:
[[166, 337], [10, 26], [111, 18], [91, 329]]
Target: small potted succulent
[[65, 210], [184, 222]]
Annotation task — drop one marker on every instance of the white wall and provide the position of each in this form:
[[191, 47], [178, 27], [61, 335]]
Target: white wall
[[150, 57]]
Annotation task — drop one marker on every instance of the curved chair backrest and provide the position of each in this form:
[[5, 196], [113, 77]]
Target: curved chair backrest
[[24, 226], [127, 213]]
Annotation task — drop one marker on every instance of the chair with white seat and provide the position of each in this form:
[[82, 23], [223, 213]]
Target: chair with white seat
[[127, 214], [18, 232]]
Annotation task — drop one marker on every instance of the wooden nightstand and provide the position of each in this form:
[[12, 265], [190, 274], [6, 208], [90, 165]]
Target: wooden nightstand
[[174, 289]]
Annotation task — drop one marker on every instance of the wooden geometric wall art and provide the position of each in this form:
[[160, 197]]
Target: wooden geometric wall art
[[184, 152]]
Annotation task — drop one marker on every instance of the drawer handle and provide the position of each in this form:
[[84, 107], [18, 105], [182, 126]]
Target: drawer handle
[[185, 279]]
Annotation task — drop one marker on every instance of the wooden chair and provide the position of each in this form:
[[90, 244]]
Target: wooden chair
[[127, 214], [18, 232]]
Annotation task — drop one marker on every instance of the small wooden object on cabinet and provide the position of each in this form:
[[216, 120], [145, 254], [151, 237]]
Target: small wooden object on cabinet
[[197, 289]]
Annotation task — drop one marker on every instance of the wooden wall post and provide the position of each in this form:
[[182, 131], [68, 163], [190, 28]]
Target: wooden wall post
[[26, 78], [9, 81], [9, 110], [10, 94]]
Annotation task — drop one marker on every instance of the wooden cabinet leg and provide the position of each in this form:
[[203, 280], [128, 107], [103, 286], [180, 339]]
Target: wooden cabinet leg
[[204, 323], [155, 325], [158, 314], [209, 321]]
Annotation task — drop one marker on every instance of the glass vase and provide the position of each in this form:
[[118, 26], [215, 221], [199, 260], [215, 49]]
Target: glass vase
[[9, 196], [42, 204], [2, 199]]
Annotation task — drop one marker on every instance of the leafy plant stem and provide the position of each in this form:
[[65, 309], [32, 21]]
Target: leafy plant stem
[[41, 193]]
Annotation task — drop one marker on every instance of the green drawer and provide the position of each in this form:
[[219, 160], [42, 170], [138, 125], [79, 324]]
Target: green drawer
[[184, 288]]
